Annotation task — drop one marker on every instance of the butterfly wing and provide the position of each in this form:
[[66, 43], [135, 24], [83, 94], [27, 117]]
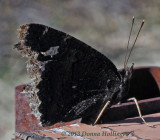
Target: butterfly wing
[[73, 78]]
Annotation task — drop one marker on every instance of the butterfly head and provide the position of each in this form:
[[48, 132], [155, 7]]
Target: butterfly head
[[126, 75]]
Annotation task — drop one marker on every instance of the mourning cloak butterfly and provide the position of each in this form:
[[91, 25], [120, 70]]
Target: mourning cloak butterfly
[[70, 80]]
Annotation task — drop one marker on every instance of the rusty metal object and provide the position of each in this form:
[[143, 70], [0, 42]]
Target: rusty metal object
[[129, 129], [26, 122]]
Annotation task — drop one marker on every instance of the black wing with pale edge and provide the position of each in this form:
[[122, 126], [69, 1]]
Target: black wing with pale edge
[[75, 79]]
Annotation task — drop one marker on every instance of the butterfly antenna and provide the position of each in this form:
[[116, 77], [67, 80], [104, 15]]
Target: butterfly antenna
[[128, 43], [135, 41]]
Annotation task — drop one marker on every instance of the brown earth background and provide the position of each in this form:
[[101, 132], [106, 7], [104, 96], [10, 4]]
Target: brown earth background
[[103, 24]]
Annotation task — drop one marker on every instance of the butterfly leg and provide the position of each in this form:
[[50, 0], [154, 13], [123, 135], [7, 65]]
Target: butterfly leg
[[100, 114], [139, 111]]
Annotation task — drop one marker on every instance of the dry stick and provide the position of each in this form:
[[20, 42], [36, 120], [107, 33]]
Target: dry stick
[[135, 41], [128, 43], [139, 111], [100, 114]]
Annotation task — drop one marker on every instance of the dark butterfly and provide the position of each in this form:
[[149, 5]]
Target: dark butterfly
[[70, 80]]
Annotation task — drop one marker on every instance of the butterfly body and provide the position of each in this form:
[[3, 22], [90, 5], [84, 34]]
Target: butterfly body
[[71, 79]]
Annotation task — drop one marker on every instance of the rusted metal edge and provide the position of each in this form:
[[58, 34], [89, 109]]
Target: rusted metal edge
[[129, 109]]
